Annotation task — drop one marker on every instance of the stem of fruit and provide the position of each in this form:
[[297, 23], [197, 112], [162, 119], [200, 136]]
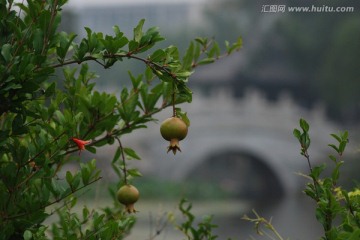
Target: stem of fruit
[[173, 99], [123, 160]]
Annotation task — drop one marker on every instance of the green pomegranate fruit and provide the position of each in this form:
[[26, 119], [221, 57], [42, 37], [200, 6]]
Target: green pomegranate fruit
[[174, 130], [128, 196]]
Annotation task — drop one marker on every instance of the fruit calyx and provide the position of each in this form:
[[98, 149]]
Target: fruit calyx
[[173, 129], [128, 196]]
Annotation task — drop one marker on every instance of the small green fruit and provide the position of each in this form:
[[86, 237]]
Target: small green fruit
[[128, 196], [174, 130]]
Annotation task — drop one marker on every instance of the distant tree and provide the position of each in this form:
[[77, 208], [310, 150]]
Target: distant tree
[[315, 56], [340, 71], [323, 52]]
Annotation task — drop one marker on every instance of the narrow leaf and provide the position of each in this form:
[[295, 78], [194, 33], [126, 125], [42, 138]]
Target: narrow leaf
[[131, 154], [297, 133], [138, 30], [304, 125], [6, 52]]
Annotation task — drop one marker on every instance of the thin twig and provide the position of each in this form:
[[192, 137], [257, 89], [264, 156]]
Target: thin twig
[[123, 159], [160, 226], [316, 183]]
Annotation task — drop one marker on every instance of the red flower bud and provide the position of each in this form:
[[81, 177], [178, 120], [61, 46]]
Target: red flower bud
[[80, 143]]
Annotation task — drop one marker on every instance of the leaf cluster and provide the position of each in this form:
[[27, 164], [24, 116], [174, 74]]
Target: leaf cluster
[[42, 110], [336, 210], [193, 231]]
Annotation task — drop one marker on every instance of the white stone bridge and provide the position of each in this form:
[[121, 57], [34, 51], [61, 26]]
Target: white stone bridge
[[245, 146]]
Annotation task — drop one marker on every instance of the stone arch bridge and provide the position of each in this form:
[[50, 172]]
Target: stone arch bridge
[[245, 146]]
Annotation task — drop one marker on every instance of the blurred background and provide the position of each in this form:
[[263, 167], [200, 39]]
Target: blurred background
[[240, 153]]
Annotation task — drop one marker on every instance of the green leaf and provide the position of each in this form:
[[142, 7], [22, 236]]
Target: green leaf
[[202, 41], [27, 235], [206, 61], [297, 133], [89, 39], [333, 158], [131, 154], [85, 213], [50, 90], [317, 170], [85, 174], [345, 135], [149, 75], [133, 46], [76, 181], [18, 122], [117, 31], [150, 99], [348, 227], [336, 137], [65, 43], [342, 146], [138, 31], [69, 177], [197, 52], [6, 52], [124, 95], [128, 106], [189, 56], [134, 172], [136, 81], [320, 216], [158, 56], [214, 51], [121, 42], [184, 74], [12, 86], [336, 172], [235, 46], [38, 40], [304, 125], [91, 149], [183, 116], [184, 94], [334, 147], [117, 155], [73, 201], [81, 50], [4, 136]]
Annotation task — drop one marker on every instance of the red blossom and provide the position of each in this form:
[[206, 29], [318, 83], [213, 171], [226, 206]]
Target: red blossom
[[80, 143]]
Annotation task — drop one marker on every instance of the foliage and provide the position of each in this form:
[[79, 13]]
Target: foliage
[[46, 117], [332, 201], [203, 230], [337, 210]]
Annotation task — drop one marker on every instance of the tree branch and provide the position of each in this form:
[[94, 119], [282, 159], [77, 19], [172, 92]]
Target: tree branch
[[50, 203]]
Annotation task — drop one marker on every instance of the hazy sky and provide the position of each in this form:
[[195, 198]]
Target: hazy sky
[[79, 3]]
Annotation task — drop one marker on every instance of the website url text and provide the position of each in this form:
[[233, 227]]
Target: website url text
[[307, 9]]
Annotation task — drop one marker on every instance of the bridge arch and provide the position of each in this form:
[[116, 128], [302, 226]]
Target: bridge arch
[[240, 173], [250, 129]]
